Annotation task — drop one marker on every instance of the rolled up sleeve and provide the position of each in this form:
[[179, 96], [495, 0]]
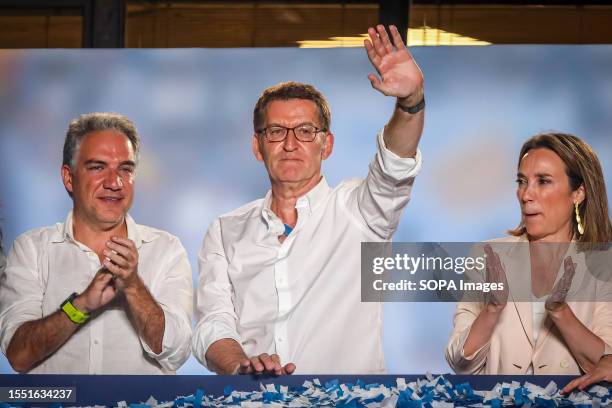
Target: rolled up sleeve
[[465, 315], [215, 313], [603, 324], [385, 192], [394, 166], [173, 291], [21, 290]]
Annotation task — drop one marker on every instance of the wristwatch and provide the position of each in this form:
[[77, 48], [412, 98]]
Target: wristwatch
[[74, 314], [412, 109]]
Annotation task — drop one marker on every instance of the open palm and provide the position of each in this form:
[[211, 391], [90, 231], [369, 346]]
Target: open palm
[[559, 293], [400, 76]]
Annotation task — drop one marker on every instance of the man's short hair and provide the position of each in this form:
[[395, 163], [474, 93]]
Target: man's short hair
[[291, 90], [96, 122]]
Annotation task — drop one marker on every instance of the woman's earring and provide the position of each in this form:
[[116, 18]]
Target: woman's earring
[[578, 220]]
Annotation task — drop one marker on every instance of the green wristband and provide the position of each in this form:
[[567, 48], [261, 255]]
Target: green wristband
[[74, 314]]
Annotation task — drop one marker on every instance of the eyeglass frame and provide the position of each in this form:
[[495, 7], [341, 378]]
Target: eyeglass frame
[[287, 129]]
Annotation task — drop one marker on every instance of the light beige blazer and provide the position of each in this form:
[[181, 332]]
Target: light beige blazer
[[511, 349]]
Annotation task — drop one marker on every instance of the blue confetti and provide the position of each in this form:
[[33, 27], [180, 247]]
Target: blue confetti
[[197, 398], [430, 392], [545, 403], [497, 403], [465, 389], [179, 402]]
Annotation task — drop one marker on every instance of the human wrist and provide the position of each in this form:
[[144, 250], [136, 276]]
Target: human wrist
[[80, 303], [133, 286], [226, 357], [227, 365], [411, 104], [493, 311], [559, 312], [77, 314]]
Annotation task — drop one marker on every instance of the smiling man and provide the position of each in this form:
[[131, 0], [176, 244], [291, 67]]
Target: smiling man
[[279, 283], [98, 294]]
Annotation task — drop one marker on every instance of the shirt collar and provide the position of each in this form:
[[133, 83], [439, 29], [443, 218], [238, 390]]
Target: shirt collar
[[136, 233], [308, 201]]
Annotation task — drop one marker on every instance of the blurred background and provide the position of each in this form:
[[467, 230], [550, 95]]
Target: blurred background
[[495, 74]]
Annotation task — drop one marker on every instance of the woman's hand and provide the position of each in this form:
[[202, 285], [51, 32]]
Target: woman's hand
[[556, 300], [496, 300]]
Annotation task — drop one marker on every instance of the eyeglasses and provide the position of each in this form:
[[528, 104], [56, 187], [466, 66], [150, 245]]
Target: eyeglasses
[[303, 133]]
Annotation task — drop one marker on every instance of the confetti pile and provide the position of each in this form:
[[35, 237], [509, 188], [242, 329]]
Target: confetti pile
[[434, 392]]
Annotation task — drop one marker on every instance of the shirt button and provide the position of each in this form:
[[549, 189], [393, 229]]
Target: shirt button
[[279, 339], [564, 364], [96, 341]]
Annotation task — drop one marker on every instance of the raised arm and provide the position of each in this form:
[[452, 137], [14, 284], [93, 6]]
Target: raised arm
[[474, 322], [586, 346], [148, 317], [399, 76]]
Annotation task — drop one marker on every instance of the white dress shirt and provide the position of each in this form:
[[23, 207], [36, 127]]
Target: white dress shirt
[[301, 299], [47, 264]]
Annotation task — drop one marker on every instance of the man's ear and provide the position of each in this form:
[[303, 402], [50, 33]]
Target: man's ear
[[328, 146], [67, 178], [256, 146], [578, 195]]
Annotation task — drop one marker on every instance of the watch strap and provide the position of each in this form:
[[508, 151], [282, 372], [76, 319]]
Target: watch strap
[[412, 109], [75, 315]]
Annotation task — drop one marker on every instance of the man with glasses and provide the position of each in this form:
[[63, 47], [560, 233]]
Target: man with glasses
[[279, 286]]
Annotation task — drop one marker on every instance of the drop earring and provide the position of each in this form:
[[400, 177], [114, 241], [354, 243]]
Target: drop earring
[[578, 220]]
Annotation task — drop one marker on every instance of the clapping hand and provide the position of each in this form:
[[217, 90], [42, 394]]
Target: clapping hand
[[557, 298], [496, 299]]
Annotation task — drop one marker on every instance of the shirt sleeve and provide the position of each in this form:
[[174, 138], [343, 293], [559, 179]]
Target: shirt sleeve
[[385, 192], [21, 291], [465, 315], [173, 291], [602, 313], [215, 314]]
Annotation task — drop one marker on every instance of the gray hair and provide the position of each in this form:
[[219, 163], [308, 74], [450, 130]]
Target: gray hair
[[95, 122]]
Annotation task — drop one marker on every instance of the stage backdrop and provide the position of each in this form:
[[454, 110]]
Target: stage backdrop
[[193, 108]]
